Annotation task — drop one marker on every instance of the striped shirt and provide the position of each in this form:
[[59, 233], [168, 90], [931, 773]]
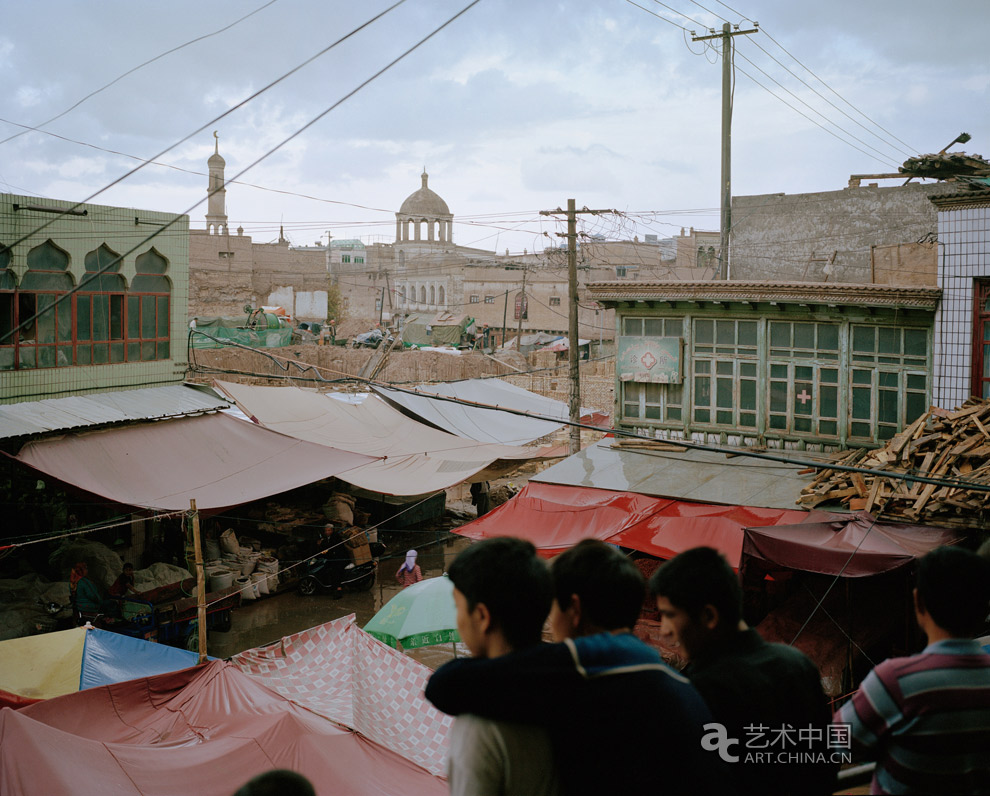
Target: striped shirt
[[927, 718]]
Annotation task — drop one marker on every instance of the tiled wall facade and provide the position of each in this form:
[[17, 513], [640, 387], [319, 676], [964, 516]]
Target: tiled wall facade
[[964, 238], [120, 229]]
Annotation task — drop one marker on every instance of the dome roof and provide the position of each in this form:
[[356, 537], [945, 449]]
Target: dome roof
[[424, 202]]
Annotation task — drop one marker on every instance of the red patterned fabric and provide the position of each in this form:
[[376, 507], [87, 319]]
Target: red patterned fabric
[[340, 672]]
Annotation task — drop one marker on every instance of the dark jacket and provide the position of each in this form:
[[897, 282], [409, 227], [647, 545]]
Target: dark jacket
[[620, 720]]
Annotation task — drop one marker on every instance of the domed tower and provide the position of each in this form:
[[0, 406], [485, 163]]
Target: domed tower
[[216, 209], [424, 207]]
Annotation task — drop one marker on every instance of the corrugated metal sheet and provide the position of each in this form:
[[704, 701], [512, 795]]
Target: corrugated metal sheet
[[53, 415], [694, 475]]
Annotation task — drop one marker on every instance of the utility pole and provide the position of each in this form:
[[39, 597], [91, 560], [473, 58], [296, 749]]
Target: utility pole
[[572, 316], [523, 304], [726, 188]]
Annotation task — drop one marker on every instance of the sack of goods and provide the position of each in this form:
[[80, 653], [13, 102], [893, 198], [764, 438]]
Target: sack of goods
[[357, 541]]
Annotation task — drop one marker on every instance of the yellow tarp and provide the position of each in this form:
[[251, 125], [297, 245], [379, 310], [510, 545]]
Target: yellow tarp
[[44, 666]]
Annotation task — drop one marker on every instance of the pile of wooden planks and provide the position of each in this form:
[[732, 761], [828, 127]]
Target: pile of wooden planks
[[941, 444]]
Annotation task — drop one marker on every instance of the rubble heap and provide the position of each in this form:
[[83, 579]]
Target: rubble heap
[[950, 445]]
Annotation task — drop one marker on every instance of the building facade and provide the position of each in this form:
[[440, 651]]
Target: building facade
[[962, 323], [91, 298], [786, 365]]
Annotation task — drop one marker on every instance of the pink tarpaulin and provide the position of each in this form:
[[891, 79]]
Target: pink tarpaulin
[[853, 546], [340, 672], [204, 730], [217, 460], [681, 525], [554, 517]]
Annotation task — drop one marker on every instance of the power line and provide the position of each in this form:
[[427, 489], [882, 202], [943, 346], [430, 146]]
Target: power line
[[95, 274], [796, 110], [668, 21], [135, 69], [808, 70], [832, 104], [813, 110], [229, 111]]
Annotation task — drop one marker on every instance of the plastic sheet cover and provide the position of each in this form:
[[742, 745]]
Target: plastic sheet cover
[[215, 459], [852, 546], [66, 661], [204, 730], [112, 658], [555, 517], [414, 459], [479, 423]]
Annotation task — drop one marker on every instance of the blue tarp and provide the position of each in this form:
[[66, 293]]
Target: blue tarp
[[112, 658]]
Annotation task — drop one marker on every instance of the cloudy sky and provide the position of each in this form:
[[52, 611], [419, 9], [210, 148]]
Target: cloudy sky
[[514, 107]]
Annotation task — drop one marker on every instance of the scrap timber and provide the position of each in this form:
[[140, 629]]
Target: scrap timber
[[953, 446]]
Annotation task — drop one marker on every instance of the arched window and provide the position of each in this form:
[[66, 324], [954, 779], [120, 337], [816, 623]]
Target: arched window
[[149, 309], [46, 342], [100, 310], [433, 295], [442, 297], [422, 294], [7, 303]]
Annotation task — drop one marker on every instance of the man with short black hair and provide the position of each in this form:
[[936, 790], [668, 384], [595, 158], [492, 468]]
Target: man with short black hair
[[621, 720], [502, 593], [926, 717], [746, 682]]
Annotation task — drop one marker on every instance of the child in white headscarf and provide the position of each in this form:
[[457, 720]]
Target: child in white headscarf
[[409, 573]]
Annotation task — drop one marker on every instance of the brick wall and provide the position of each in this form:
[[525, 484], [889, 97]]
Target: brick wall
[[409, 367]]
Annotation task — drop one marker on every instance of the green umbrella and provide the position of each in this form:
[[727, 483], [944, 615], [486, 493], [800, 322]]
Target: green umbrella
[[418, 616]]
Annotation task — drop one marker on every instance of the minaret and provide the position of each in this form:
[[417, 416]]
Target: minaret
[[216, 210]]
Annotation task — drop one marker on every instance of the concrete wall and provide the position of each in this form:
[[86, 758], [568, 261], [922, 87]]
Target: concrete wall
[[229, 271], [828, 236]]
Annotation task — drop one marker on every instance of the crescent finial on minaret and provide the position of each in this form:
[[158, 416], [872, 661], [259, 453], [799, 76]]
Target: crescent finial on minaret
[[216, 149]]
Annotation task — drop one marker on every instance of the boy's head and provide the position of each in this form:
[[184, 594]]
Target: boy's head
[[699, 598], [502, 590], [953, 591], [596, 588]]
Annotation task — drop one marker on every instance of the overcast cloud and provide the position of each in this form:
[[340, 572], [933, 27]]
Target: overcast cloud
[[515, 107]]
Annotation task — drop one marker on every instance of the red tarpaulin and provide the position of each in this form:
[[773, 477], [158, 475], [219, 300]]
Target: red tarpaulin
[[554, 517], [205, 730], [853, 546]]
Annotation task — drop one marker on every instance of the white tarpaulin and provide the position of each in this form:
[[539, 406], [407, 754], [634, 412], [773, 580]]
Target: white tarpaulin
[[413, 458], [215, 459], [477, 422]]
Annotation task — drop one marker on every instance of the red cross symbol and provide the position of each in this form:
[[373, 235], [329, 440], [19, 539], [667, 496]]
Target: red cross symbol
[[648, 360], [803, 397]]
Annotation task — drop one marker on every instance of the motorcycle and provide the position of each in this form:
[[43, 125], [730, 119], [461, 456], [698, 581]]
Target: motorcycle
[[333, 571]]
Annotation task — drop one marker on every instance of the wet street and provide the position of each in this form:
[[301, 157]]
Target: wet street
[[270, 618]]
